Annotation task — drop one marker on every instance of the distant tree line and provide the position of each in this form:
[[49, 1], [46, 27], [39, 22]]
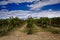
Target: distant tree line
[[55, 21], [44, 21]]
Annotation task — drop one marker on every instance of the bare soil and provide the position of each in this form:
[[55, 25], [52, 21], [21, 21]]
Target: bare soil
[[19, 35]]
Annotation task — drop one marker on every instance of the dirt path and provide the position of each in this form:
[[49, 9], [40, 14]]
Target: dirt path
[[18, 35], [22, 28], [38, 28]]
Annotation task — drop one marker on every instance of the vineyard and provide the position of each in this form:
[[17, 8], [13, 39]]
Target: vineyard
[[45, 24]]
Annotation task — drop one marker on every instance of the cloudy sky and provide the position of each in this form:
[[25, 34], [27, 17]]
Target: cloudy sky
[[25, 8]]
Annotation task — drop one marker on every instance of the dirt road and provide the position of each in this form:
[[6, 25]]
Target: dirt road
[[18, 35]]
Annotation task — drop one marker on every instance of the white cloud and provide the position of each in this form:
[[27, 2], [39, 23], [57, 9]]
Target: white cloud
[[15, 13], [19, 1], [14, 1], [4, 10], [4, 2], [49, 14], [24, 14], [43, 3]]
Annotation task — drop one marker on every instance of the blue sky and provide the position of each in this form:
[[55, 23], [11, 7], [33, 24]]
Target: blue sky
[[54, 7], [14, 6], [25, 8]]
